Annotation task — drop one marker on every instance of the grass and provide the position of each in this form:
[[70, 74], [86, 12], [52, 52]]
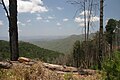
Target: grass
[[21, 71], [24, 72]]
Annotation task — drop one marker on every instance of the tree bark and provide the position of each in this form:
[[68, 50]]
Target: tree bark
[[100, 36], [13, 30]]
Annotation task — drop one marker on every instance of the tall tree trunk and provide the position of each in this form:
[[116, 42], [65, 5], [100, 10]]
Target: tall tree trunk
[[89, 17], [100, 36], [118, 36], [111, 47], [13, 30]]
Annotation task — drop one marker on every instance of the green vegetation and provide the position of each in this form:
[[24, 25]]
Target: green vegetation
[[4, 50], [29, 50], [112, 67], [78, 54], [61, 45], [110, 35]]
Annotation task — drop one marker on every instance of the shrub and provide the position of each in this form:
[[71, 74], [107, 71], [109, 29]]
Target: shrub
[[112, 67]]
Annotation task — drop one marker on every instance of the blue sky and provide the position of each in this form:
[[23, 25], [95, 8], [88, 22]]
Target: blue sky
[[53, 18]]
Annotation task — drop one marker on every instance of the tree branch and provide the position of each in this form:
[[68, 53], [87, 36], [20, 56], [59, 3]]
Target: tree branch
[[5, 9]]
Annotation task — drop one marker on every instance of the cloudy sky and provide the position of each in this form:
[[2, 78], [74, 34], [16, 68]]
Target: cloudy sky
[[53, 17]]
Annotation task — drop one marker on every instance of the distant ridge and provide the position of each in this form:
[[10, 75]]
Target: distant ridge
[[61, 45]]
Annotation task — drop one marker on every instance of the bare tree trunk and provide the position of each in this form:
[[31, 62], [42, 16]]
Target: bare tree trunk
[[13, 30], [111, 47], [89, 17], [118, 39], [100, 36]]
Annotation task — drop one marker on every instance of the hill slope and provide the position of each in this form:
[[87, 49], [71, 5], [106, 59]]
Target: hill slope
[[29, 50], [61, 45]]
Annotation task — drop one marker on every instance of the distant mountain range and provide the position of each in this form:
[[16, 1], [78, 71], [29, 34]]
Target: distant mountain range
[[40, 38], [34, 38], [64, 45]]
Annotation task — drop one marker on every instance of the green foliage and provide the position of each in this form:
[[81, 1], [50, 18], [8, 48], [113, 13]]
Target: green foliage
[[94, 67], [4, 50], [112, 67], [77, 53], [118, 24], [110, 27], [29, 50]]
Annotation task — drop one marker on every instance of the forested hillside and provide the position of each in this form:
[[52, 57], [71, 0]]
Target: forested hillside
[[61, 45], [28, 50]]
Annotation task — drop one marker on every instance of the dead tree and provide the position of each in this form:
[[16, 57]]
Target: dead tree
[[88, 7], [13, 29], [100, 36]]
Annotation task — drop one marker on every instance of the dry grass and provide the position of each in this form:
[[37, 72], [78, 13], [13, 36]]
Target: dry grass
[[37, 71], [24, 72]]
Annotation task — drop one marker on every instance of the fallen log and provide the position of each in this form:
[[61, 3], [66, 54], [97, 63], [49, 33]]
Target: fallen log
[[30, 63], [60, 67], [70, 69], [65, 69], [86, 72], [23, 59], [5, 65], [26, 61], [62, 73]]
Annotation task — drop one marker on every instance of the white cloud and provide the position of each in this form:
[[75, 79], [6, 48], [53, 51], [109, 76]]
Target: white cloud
[[1, 23], [39, 18], [50, 17], [28, 20], [58, 24], [31, 6], [65, 19], [47, 21], [59, 8], [80, 20], [95, 18]]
